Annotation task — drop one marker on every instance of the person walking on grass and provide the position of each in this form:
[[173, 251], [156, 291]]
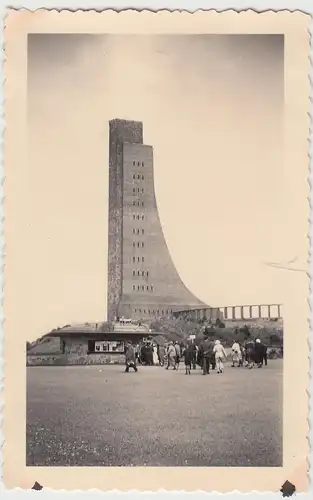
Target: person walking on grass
[[242, 355], [236, 354], [259, 353], [206, 353], [220, 354], [189, 357], [150, 354], [264, 354], [171, 356], [178, 355], [195, 356], [161, 354], [155, 355], [130, 357], [249, 353]]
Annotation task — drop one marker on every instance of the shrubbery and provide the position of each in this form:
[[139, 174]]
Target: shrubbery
[[181, 328], [105, 327]]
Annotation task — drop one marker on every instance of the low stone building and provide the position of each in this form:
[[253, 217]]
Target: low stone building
[[86, 345]]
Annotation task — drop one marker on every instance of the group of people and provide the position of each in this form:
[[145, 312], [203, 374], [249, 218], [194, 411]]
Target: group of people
[[150, 353], [249, 354], [252, 353], [208, 355]]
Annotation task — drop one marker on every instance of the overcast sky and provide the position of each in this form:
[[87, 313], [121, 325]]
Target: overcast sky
[[212, 108]]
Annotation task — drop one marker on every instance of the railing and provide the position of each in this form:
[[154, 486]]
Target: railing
[[233, 313]]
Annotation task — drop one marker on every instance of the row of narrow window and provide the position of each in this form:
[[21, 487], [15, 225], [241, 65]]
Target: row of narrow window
[[154, 311], [138, 163], [137, 231], [138, 259], [141, 273], [139, 244], [139, 177], [143, 288], [139, 190], [138, 217], [138, 203]]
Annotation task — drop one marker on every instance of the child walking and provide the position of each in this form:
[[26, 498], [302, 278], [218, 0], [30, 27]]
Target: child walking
[[220, 354]]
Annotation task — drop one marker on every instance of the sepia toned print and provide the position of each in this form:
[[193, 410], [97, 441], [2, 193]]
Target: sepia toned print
[[163, 279]]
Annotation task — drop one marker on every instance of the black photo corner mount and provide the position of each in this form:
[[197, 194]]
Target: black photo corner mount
[[288, 489], [37, 486]]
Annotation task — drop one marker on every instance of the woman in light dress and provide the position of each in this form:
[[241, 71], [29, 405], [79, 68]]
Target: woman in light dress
[[155, 355], [236, 354], [171, 356], [220, 354]]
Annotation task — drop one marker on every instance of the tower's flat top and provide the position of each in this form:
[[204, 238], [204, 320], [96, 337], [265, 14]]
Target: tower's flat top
[[122, 121]]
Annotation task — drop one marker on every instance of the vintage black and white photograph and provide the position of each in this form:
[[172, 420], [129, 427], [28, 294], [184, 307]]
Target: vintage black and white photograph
[[160, 257], [184, 364]]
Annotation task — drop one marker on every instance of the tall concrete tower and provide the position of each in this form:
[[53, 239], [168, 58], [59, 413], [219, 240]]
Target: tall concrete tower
[[142, 279]]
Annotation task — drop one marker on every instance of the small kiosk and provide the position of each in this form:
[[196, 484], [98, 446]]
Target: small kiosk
[[87, 344]]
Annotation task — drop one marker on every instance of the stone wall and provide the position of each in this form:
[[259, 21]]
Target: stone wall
[[46, 360], [75, 353]]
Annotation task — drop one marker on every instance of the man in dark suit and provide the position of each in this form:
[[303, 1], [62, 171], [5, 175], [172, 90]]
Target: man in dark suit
[[206, 349]]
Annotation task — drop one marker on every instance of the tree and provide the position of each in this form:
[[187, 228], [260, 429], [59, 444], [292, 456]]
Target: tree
[[245, 330], [180, 329], [221, 324], [274, 339], [176, 328]]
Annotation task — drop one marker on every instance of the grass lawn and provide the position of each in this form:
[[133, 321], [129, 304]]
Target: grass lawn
[[101, 416]]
